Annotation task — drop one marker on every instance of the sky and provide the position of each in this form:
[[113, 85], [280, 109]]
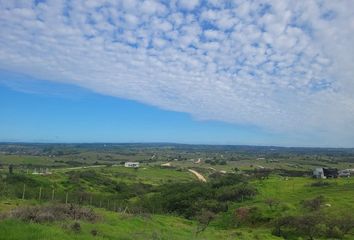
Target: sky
[[192, 71]]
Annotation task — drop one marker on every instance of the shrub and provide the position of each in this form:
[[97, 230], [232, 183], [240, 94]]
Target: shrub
[[16, 179], [94, 232], [76, 227], [344, 221], [242, 213], [249, 215], [219, 180], [335, 232], [204, 218], [271, 202], [236, 193], [314, 225], [320, 184], [281, 223], [52, 213], [309, 225], [314, 204], [187, 199]]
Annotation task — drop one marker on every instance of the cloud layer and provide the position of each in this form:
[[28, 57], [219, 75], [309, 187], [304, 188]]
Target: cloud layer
[[284, 66]]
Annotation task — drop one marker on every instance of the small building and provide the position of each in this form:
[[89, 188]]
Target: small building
[[330, 172], [131, 164], [318, 173], [344, 173], [325, 173]]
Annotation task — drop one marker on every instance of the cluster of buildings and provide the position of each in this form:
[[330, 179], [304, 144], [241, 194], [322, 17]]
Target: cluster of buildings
[[321, 172], [41, 171]]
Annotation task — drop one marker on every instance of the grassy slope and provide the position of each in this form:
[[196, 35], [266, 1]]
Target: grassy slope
[[340, 194], [147, 175], [117, 226], [150, 175], [19, 159]]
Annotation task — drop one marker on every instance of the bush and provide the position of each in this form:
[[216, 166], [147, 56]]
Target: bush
[[236, 193], [76, 227], [271, 202], [280, 223], [94, 232], [219, 180], [50, 213], [187, 199], [32, 214], [314, 225], [335, 232], [18, 179], [314, 204], [204, 218], [344, 221], [309, 225], [320, 184], [249, 215]]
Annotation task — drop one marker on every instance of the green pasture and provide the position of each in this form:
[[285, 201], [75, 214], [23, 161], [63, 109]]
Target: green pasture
[[339, 193], [118, 226]]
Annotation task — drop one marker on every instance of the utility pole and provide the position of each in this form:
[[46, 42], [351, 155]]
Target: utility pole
[[23, 192], [40, 193]]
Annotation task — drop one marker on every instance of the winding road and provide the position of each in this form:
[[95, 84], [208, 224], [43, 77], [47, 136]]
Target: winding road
[[198, 175]]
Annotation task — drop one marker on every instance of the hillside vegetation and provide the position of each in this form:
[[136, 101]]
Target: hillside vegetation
[[109, 201]]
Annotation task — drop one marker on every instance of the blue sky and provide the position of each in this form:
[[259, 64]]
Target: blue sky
[[38, 111], [200, 71]]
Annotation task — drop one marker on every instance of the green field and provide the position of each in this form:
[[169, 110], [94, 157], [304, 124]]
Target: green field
[[288, 191], [246, 196], [123, 226]]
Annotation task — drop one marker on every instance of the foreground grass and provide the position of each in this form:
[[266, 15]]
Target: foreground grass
[[119, 226]]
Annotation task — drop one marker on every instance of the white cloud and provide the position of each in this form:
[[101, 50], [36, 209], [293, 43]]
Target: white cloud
[[287, 67], [213, 34], [188, 4], [152, 7]]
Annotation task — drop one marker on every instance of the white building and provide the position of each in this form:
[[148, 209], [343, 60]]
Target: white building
[[131, 164], [318, 173]]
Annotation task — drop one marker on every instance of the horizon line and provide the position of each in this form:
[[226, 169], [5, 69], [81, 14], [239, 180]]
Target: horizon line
[[173, 143]]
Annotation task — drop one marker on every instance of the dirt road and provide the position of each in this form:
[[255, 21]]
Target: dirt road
[[198, 175], [76, 168]]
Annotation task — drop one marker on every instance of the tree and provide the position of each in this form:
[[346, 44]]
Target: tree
[[310, 225], [204, 218], [280, 223]]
